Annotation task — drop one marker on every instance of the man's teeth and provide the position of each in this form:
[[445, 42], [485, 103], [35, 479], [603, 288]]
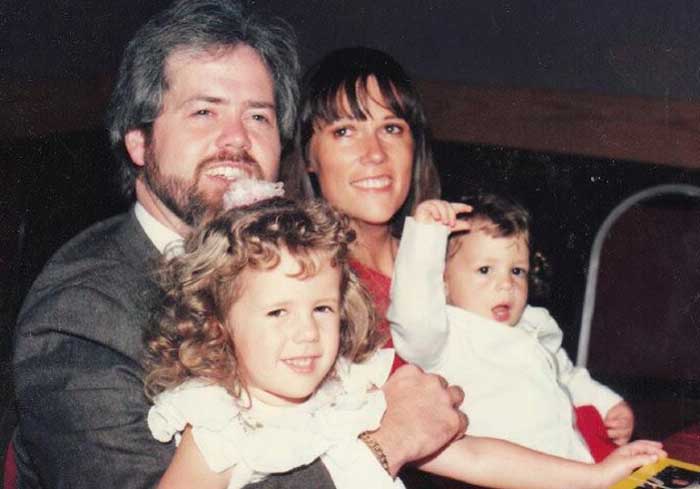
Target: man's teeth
[[230, 172], [370, 183], [299, 362]]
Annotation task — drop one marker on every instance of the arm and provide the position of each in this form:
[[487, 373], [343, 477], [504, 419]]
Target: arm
[[422, 416], [80, 393], [583, 389], [188, 468], [418, 313], [497, 463]]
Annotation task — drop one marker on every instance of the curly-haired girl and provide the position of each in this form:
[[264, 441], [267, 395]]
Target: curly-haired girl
[[263, 359]]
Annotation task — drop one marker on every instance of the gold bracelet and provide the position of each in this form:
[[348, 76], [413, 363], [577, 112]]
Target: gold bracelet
[[376, 449]]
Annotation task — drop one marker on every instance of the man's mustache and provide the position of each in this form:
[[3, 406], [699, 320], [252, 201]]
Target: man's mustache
[[242, 156]]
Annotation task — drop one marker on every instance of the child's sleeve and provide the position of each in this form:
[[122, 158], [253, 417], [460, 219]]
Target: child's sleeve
[[174, 409], [418, 313], [583, 389]]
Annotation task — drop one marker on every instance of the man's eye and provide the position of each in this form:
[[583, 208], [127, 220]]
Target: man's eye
[[260, 118], [202, 112]]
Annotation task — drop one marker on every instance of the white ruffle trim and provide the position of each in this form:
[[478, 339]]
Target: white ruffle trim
[[268, 439]]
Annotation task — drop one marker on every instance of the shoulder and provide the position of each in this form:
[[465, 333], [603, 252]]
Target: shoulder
[[534, 314], [373, 372], [116, 243], [103, 257], [540, 320], [98, 286], [175, 408]]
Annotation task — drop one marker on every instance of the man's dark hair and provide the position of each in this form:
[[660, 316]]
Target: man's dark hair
[[198, 25]]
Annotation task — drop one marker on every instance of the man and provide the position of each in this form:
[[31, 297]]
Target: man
[[205, 95]]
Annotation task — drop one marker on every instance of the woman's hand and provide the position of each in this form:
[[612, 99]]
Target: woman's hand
[[627, 458], [619, 421], [442, 212]]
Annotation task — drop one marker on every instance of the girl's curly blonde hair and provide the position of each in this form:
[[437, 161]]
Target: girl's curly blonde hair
[[187, 338]]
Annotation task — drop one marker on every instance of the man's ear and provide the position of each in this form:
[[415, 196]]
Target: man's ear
[[447, 290], [135, 142]]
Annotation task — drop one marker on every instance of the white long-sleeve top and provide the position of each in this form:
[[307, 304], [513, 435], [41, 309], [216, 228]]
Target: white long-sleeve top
[[519, 382]]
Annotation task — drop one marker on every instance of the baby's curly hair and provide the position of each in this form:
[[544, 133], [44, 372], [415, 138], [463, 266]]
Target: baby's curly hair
[[504, 218], [187, 338]]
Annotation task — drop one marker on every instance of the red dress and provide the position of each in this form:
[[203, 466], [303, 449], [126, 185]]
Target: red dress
[[379, 286]]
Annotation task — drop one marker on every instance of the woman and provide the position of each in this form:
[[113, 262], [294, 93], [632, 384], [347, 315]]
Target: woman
[[363, 137]]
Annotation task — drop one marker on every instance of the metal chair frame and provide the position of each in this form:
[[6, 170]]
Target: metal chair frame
[[594, 262]]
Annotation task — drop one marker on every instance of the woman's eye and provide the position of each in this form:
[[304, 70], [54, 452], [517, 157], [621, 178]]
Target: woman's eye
[[323, 309], [483, 270], [276, 313], [393, 128]]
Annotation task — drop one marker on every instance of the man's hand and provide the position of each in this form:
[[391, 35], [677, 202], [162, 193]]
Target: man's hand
[[619, 421], [422, 416]]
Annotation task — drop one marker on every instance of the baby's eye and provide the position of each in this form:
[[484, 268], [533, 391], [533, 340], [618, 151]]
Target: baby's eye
[[517, 271], [484, 270], [276, 313]]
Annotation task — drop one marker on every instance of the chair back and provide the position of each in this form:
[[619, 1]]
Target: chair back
[[640, 328]]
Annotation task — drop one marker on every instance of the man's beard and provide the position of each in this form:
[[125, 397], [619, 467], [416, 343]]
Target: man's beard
[[183, 198]]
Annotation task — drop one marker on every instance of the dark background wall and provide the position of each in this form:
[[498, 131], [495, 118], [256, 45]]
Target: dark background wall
[[649, 47]]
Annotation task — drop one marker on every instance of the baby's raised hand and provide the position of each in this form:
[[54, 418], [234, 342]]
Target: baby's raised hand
[[619, 421], [442, 212], [625, 459]]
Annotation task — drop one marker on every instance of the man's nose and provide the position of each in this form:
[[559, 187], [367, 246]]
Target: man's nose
[[233, 134]]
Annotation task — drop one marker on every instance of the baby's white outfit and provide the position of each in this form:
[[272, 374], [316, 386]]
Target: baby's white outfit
[[263, 439], [519, 382]]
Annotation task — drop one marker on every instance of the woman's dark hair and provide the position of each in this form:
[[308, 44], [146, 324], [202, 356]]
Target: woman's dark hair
[[345, 73]]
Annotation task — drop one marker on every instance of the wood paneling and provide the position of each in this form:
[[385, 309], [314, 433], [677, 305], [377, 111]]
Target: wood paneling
[[632, 128]]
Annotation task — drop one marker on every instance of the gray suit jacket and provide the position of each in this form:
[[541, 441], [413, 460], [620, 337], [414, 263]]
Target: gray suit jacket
[[82, 408]]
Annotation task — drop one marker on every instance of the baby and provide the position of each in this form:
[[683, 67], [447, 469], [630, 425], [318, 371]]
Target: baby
[[465, 316]]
